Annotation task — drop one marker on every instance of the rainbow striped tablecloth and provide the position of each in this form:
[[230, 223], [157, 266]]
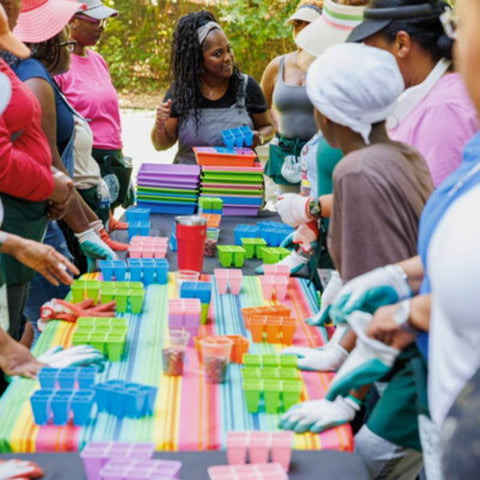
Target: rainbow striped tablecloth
[[189, 414]]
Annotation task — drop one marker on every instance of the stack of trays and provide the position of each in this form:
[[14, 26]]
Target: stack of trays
[[168, 188], [240, 188]]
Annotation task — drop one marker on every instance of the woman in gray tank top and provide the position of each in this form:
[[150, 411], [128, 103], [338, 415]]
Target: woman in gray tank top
[[283, 84], [208, 93]]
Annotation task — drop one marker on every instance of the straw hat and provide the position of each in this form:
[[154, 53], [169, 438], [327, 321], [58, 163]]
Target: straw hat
[[332, 27], [307, 11], [8, 41], [40, 20]]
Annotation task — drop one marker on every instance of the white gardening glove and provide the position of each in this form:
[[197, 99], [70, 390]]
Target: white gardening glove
[[331, 291], [16, 468], [324, 359], [382, 286], [319, 415], [93, 247], [293, 209], [79, 355], [367, 363]]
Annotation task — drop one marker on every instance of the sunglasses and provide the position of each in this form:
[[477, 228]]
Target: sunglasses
[[70, 44], [450, 23], [98, 23]]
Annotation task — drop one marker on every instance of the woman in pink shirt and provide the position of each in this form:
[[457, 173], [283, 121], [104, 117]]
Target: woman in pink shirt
[[89, 89]]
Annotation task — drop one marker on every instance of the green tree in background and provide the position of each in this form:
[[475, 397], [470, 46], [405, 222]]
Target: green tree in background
[[136, 44]]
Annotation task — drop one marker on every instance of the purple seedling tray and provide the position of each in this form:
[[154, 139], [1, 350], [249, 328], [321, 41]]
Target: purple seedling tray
[[140, 469], [240, 210], [96, 455], [170, 170]]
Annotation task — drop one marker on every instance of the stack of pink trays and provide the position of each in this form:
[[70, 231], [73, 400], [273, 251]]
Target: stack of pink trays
[[185, 313], [228, 279], [275, 281], [260, 471], [260, 447], [148, 247]]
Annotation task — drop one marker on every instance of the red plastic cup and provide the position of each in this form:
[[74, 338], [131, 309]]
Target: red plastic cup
[[191, 233]]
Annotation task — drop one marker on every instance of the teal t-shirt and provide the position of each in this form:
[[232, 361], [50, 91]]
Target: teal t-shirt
[[327, 160]]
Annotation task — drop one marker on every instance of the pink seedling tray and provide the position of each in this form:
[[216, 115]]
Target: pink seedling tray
[[185, 313], [273, 284], [277, 270], [258, 447], [228, 280], [138, 240], [240, 186], [264, 471], [147, 252]]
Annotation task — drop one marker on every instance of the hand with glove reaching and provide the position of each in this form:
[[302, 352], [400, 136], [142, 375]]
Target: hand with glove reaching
[[14, 468], [93, 247], [319, 415], [367, 363], [382, 286], [331, 291], [324, 359], [57, 309], [294, 209], [79, 355]]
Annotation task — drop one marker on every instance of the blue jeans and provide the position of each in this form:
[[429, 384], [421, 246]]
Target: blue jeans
[[41, 290]]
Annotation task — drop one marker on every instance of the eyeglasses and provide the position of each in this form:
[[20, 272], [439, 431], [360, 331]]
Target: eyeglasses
[[70, 44], [94, 21], [450, 22]]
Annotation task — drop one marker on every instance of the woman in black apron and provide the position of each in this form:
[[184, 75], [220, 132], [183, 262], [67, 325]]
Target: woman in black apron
[[208, 93]]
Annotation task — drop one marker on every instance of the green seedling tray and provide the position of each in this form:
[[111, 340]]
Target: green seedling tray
[[136, 301], [253, 246], [210, 203], [291, 393], [272, 395], [252, 360], [229, 255], [271, 255], [162, 198], [270, 373], [252, 389], [247, 178], [186, 192]]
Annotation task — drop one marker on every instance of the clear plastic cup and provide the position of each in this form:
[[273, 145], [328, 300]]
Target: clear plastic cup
[[216, 352], [173, 354], [186, 276]]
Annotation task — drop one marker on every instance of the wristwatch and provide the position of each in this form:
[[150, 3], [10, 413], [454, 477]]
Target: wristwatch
[[315, 208], [402, 316]]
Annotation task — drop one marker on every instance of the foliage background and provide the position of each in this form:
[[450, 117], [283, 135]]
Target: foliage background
[[136, 44]]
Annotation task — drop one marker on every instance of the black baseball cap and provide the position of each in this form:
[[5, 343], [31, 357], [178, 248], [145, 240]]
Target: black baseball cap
[[376, 19]]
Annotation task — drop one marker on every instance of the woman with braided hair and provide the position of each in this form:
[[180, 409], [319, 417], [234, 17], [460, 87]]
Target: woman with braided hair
[[208, 93]]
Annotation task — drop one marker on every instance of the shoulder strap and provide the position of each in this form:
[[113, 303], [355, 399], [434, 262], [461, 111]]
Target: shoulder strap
[[281, 70], [242, 95]]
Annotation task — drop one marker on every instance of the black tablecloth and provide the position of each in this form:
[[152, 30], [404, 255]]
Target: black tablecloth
[[306, 465], [162, 226]]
